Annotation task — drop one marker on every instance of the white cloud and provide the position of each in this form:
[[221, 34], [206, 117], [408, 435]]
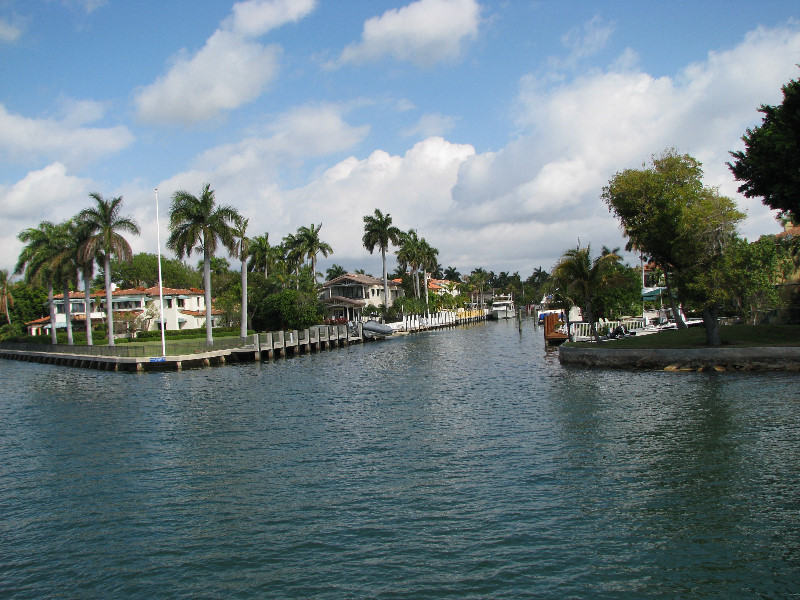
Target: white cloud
[[8, 32], [69, 140], [430, 124], [229, 71], [256, 17], [424, 32], [302, 133]]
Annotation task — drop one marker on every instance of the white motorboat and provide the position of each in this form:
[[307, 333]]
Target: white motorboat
[[502, 308]]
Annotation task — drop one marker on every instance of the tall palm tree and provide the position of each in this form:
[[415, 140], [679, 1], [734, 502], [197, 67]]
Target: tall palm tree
[[310, 245], [428, 262], [242, 249], [261, 254], [35, 260], [379, 232], [583, 278], [292, 255], [6, 299], [86, 267], [197, 223], [105, 239], [409, 255], [65, 265]]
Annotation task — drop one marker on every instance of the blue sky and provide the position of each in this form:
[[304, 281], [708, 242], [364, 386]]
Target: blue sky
[[489, 126]]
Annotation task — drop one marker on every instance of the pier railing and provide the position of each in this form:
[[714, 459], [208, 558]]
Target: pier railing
[[582, 331]]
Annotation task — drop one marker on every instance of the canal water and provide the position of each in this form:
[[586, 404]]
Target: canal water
[[462, 463]]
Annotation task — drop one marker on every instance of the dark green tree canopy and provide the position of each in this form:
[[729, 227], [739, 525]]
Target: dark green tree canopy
[[769, 166]]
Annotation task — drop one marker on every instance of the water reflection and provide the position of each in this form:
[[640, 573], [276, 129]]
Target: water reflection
[[461, 462]]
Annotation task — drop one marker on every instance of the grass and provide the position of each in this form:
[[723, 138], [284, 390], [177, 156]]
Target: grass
[[695, 337]]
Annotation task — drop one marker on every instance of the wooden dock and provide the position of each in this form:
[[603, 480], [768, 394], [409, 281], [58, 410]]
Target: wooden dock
[[257, 347]]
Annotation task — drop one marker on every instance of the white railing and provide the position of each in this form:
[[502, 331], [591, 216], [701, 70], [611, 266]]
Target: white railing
[[582, 331]]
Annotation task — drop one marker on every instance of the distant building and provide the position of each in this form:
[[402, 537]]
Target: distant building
[[346, 296], [135, 309]]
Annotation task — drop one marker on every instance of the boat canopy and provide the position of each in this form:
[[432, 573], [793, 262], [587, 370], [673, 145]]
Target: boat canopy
[[652, 294]]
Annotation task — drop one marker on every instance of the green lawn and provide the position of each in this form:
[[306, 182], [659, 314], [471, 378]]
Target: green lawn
[[695, 337]]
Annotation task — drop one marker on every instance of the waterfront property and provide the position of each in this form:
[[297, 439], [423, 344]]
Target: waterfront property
[[346, 296], [135, 309]]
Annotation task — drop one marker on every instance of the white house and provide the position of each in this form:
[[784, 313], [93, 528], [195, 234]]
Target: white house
[[347, 295], [135, 309]]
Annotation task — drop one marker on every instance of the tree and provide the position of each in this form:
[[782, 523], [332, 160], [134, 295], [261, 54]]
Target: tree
[[427, 262], [379, 232], [86, 267], [6, 299], [334, 271], [409, 255], [288, 309], [452, 274], [242, 249], [769, 166], [262, 255], [36, 261], [583, 278], [197, 223], [310, 245], [105, 240], [65, 265]]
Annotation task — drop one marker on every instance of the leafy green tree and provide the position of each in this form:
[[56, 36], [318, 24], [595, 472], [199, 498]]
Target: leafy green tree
[[30, 302], [104, 239], [769, 166], [584, 278], [380, 233], [287, 309], [142, 272], [748, 275], [196, 222]]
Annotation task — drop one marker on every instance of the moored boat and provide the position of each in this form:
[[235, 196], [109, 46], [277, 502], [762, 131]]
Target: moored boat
[[502, 308]]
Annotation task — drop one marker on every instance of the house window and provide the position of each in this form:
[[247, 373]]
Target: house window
[[169, 302], [181, 302]]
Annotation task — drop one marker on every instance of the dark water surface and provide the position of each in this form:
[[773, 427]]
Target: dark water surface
[[460, 463]]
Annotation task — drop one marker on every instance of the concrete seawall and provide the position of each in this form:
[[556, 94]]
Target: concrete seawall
[[694, 359]]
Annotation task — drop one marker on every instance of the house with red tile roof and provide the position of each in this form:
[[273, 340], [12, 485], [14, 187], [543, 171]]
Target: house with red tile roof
[[135, 309], [346, 296]]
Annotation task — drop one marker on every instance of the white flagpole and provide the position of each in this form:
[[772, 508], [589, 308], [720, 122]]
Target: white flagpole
[[160, 284]]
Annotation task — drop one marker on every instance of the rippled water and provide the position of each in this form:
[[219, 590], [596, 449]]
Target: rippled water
[[459, 463]]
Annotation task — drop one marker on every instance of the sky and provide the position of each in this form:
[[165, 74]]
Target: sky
[[489, 126]]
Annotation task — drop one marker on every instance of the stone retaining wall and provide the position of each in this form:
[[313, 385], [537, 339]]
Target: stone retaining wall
[[719, 359]]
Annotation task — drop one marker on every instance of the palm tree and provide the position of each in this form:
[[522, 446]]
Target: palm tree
[[379, 231], [105, 223], [428, 262], [197, 223], [86, 267], [452, 274], [292, 255], [409, 256], [65, 266], [261, 254], [310, 245], [36, 261], [581, 277], [242, 249], [334, 271], [6, 299]]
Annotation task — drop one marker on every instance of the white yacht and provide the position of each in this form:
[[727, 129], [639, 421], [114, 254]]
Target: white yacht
[[502, 308]]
